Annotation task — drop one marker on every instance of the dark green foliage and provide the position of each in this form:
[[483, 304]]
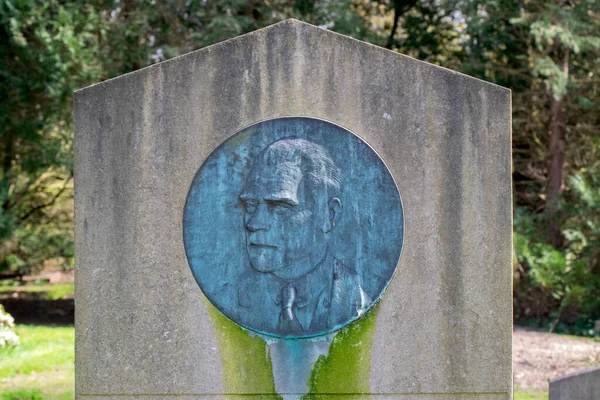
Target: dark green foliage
[[557, 285], [46, 51], [547, 53]]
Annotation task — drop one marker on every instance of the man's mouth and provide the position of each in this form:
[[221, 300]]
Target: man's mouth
[[261, 245]]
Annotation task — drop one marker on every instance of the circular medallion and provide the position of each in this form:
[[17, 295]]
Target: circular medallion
[[293, 227]]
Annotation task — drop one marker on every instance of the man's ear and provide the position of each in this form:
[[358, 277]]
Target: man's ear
[[334, 211]]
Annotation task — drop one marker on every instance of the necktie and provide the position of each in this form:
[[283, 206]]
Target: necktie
[[288, 324]]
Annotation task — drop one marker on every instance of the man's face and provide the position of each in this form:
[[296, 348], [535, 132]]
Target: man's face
[[283, 234]]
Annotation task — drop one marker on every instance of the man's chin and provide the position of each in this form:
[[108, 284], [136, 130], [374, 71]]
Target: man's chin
[[261, 265]]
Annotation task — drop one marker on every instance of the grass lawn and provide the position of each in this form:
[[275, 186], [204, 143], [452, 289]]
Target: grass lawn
[[41, 367], [47, 291], [519, 394]]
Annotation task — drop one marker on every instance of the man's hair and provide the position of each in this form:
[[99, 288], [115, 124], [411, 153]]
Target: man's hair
[[317, 166]]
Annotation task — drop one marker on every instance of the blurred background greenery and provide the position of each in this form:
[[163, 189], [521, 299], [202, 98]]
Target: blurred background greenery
[[546, 52]]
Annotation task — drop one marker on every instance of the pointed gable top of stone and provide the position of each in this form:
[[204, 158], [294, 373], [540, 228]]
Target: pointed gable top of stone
[[292, 35]]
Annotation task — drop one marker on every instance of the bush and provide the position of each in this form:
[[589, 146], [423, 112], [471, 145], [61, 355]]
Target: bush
[[8, 337], [559, 287]]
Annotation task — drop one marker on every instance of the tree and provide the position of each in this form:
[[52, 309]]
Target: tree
[[46, 51], [547, 53], [563, 36]]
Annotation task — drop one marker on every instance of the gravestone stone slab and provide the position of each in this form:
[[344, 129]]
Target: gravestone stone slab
[[293, 214], [580, 385]]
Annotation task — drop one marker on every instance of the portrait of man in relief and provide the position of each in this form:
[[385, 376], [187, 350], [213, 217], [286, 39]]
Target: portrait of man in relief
[[291, 203]]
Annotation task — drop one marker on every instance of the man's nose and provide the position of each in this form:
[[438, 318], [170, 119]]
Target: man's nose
[[259, 219]]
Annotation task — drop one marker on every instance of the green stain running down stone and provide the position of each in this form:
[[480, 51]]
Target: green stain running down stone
[[247, 367], [245, 361], [346, 369]]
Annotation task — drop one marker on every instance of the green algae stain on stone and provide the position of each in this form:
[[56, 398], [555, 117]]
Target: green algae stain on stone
[[245, 360], [346, 368]]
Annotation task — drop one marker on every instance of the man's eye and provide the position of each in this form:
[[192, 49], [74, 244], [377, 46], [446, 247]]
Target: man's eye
[[278, 206], [250, 207]]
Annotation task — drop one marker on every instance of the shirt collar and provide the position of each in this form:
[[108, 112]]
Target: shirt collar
[[310, 288]]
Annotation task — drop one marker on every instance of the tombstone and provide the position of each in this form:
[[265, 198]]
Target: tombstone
[[580, 385], [293, 213]]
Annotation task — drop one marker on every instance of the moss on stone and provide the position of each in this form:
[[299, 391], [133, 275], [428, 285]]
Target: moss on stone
[[247, 366], [246, 363], [346, 368]]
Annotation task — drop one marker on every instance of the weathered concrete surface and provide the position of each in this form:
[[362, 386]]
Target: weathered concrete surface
[[443, 327], [581, 385]]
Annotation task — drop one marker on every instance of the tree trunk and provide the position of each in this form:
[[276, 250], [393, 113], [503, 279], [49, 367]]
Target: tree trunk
[[400, 7], [558, 143], [9, 154], [390, 40]]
